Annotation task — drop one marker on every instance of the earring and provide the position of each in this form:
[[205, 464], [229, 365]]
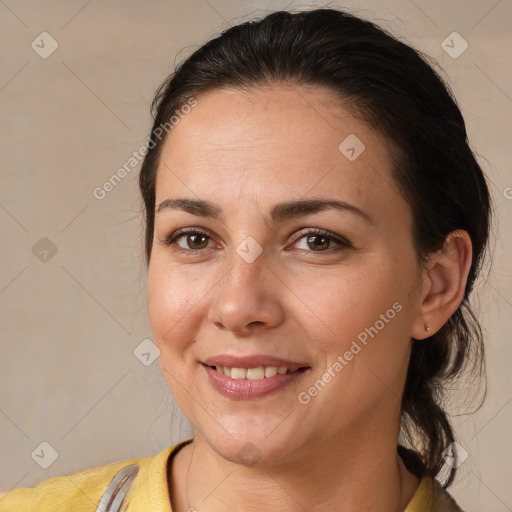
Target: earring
[[427, 327]]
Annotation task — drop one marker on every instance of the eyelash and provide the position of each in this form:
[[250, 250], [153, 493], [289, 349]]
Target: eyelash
[[173, 237]]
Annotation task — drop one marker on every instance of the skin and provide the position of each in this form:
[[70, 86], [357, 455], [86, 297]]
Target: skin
[[246, 152]]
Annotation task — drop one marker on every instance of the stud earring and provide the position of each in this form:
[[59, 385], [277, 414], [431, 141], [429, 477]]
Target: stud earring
[[427, 327]]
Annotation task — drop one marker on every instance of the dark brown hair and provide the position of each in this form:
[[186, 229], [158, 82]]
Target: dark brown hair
[[392, 87]]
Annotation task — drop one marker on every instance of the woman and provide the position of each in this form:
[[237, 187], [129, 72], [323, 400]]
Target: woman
[[315, 223]]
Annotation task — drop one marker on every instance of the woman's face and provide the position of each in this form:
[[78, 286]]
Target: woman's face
[[257, 287]]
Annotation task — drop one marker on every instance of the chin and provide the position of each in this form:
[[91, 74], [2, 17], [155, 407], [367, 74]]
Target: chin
[[255, 449]]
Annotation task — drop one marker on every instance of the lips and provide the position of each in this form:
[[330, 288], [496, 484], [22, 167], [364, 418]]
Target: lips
[[253, 383], [247, 389], [253, 361]]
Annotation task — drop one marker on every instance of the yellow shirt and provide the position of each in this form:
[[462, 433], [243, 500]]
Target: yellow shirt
[[82, 491]]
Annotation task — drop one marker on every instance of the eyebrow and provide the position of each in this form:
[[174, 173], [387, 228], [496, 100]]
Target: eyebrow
[[280, 212]]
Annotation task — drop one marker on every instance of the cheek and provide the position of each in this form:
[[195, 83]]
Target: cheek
[[355, 298], [369, 314], [172, 301]]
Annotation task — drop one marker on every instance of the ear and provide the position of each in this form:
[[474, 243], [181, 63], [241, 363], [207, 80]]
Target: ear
[[444, 282]]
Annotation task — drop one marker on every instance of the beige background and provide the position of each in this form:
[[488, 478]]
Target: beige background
[[69, 325]]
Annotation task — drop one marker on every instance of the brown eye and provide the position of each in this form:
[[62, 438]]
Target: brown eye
[[315, 240], [194, 240], [318, 242]]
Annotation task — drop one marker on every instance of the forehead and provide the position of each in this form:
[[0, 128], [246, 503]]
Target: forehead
[[279, 140], [310, 120]]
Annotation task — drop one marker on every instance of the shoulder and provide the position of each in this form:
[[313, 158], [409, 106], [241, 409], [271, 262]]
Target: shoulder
[[79, 492], [430, 496]]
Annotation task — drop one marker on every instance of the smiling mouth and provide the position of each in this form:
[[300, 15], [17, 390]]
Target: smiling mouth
[[256, 373]]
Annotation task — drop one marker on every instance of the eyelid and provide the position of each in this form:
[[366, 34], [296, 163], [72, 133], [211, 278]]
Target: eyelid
[[341, 241], [175, 235]]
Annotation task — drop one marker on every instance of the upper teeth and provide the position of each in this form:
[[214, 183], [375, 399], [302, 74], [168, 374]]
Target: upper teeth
[[253, 373]]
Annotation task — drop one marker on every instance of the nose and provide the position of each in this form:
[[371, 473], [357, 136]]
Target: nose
[[248, 298]]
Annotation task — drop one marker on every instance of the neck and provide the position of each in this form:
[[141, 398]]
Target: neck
[[333, 476]]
